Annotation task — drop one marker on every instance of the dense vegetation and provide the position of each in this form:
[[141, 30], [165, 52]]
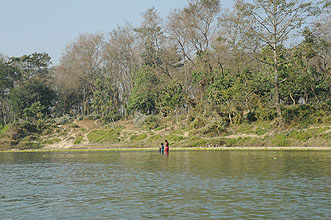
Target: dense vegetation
[[213, 68]]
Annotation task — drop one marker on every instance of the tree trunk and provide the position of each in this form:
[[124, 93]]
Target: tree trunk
[[293, 100], [230, 117], [277, 96]]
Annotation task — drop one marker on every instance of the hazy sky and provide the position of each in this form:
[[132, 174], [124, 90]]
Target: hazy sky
[[28, 26]]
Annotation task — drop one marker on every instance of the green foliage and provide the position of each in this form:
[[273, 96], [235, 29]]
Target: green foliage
[[144, 93], [74, 125], [51, 141], [30, 92], [251, 116], [4, 128], [300, 135], [29, 145], [171, 98], [281, 140], [155, 137], [78, 140], [34, 112], [32, 66], [304, 115], [8, 75], [103, 136], [138, 137], [152, 122], [173, 137]]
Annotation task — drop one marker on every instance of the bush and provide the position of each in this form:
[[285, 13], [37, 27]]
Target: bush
[[139, 119], [198, 122], [265, 113], [251, 117], [304, 115], [78, 140], [74, 125], [152, 122], [281, 140], [29, 145], [4, 128], [214, 128]]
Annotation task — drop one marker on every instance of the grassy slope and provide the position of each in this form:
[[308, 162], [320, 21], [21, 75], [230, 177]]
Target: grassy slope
[[123, 134]]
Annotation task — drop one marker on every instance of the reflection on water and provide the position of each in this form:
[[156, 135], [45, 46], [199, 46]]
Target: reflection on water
[[184, 185]]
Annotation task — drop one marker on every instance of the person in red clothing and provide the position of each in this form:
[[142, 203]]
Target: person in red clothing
[[166, 149]]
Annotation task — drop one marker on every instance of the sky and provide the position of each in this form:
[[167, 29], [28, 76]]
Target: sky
[[28, 26]]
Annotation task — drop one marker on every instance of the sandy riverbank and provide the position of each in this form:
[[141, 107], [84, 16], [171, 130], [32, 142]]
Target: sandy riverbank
[[174, 149]]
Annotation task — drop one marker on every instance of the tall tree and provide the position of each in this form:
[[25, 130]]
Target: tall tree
[[8, 75], [35, 65], [269, 23], [81, 64], [121, 61]]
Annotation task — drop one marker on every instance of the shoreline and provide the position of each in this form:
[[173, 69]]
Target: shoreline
[[172, 149]]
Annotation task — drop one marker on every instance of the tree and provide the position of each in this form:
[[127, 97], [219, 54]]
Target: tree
[[145, 91], [171, 99], [35, 65], [30, 92], [269, 23], [8, 75], [121, 61], [81, 65]]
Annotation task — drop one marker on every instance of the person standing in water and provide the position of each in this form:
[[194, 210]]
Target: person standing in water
[[166, 146], [161, 150]]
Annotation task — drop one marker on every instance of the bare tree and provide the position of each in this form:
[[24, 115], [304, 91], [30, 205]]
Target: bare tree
[[82, 64], [121, 60]]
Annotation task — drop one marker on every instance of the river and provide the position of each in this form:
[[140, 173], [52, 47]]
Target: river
[[181, 185]]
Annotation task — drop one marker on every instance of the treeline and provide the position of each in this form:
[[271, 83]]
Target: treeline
[[257, 61]]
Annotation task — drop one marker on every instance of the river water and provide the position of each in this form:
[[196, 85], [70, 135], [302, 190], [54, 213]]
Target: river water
[[181, 185]]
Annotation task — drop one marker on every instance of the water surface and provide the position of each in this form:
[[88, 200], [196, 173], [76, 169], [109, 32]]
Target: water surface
[[182, 185]]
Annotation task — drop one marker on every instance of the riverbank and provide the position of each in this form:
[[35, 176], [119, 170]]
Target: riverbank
[[93, 135], [174, 149]]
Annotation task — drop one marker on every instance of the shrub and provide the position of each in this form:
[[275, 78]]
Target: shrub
[[29, 145], [152, 122], [139, 119], [74, 125], [300, 135], [4, 128], [281, 140], [251, 117], [198, 122], [304, 115], [78, 140]]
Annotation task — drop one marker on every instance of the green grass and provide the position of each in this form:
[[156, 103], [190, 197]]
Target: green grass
[[139, 137], [102, 136], [73, 125], [52, 141], [281, 140], [4, 128], [155, 137], [78, 140], [174, 137]]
